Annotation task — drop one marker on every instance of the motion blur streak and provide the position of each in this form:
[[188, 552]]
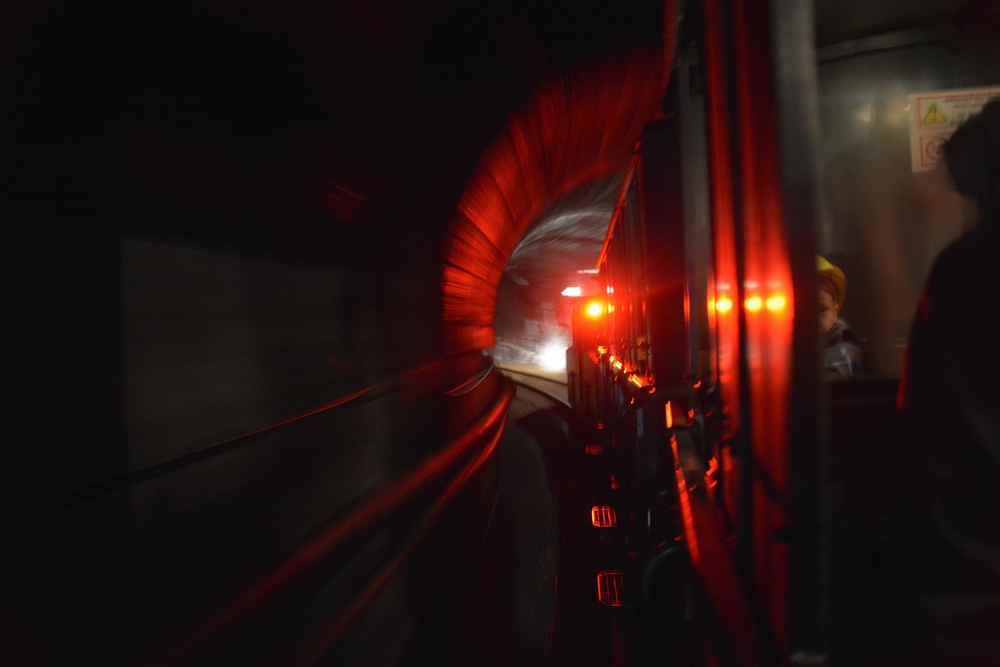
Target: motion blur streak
[[249, 601], [328, 635], [723, 220]]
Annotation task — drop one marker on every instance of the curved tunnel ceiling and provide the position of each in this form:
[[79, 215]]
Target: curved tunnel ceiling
[[578, 128], [530, 313], [566, 239]]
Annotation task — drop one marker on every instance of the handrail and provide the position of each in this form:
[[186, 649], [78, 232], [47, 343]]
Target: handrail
[[320, 547], [227, 445], [619, 209]]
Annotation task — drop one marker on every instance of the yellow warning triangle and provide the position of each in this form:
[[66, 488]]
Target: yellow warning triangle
[[934, 116]]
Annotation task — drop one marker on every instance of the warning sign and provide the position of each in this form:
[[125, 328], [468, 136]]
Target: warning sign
[[935, 115]]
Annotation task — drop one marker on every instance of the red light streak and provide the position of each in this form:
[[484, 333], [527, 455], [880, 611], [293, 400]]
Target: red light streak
[[603, 516], [610, 587], [687, 517]]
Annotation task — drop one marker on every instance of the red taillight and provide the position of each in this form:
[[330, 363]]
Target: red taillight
[[594, 309], [611, 588], [776, 303], [603, 516]]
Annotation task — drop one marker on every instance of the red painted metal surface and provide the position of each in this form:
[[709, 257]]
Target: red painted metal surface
[[749, 234], [768, 272], [724, 291]]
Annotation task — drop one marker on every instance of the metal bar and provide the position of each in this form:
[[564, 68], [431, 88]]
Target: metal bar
[[898, 39], [216, 449], [619, 209]]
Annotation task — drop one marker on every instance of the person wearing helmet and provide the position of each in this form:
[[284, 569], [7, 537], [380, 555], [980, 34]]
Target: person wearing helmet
[[842, 354]]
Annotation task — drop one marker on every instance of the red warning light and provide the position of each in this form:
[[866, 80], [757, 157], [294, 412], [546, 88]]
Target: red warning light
[[594, 309], [603, 516], [776, 303], [611, 588], [754, 303]]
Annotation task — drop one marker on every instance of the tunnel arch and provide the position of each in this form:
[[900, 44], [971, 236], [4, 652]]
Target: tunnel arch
[[576, 128]]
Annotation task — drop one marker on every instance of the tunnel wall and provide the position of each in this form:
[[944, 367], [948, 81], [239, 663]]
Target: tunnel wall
[[224, 218], [145, 352]]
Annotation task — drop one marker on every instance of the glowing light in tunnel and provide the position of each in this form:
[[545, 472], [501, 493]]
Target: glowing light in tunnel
[[572, 290], [594, 310], [587, 271], [553, 357], [724, 304], [754, 303]]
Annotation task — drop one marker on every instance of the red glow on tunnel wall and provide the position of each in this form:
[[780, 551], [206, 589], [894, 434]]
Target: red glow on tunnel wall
[[577, 127]]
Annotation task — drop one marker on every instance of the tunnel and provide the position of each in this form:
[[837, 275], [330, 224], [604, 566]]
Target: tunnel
[[268, 259], [234, 217]]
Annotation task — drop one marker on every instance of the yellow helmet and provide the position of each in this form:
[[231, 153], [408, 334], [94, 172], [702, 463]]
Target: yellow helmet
[[830, 271]]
